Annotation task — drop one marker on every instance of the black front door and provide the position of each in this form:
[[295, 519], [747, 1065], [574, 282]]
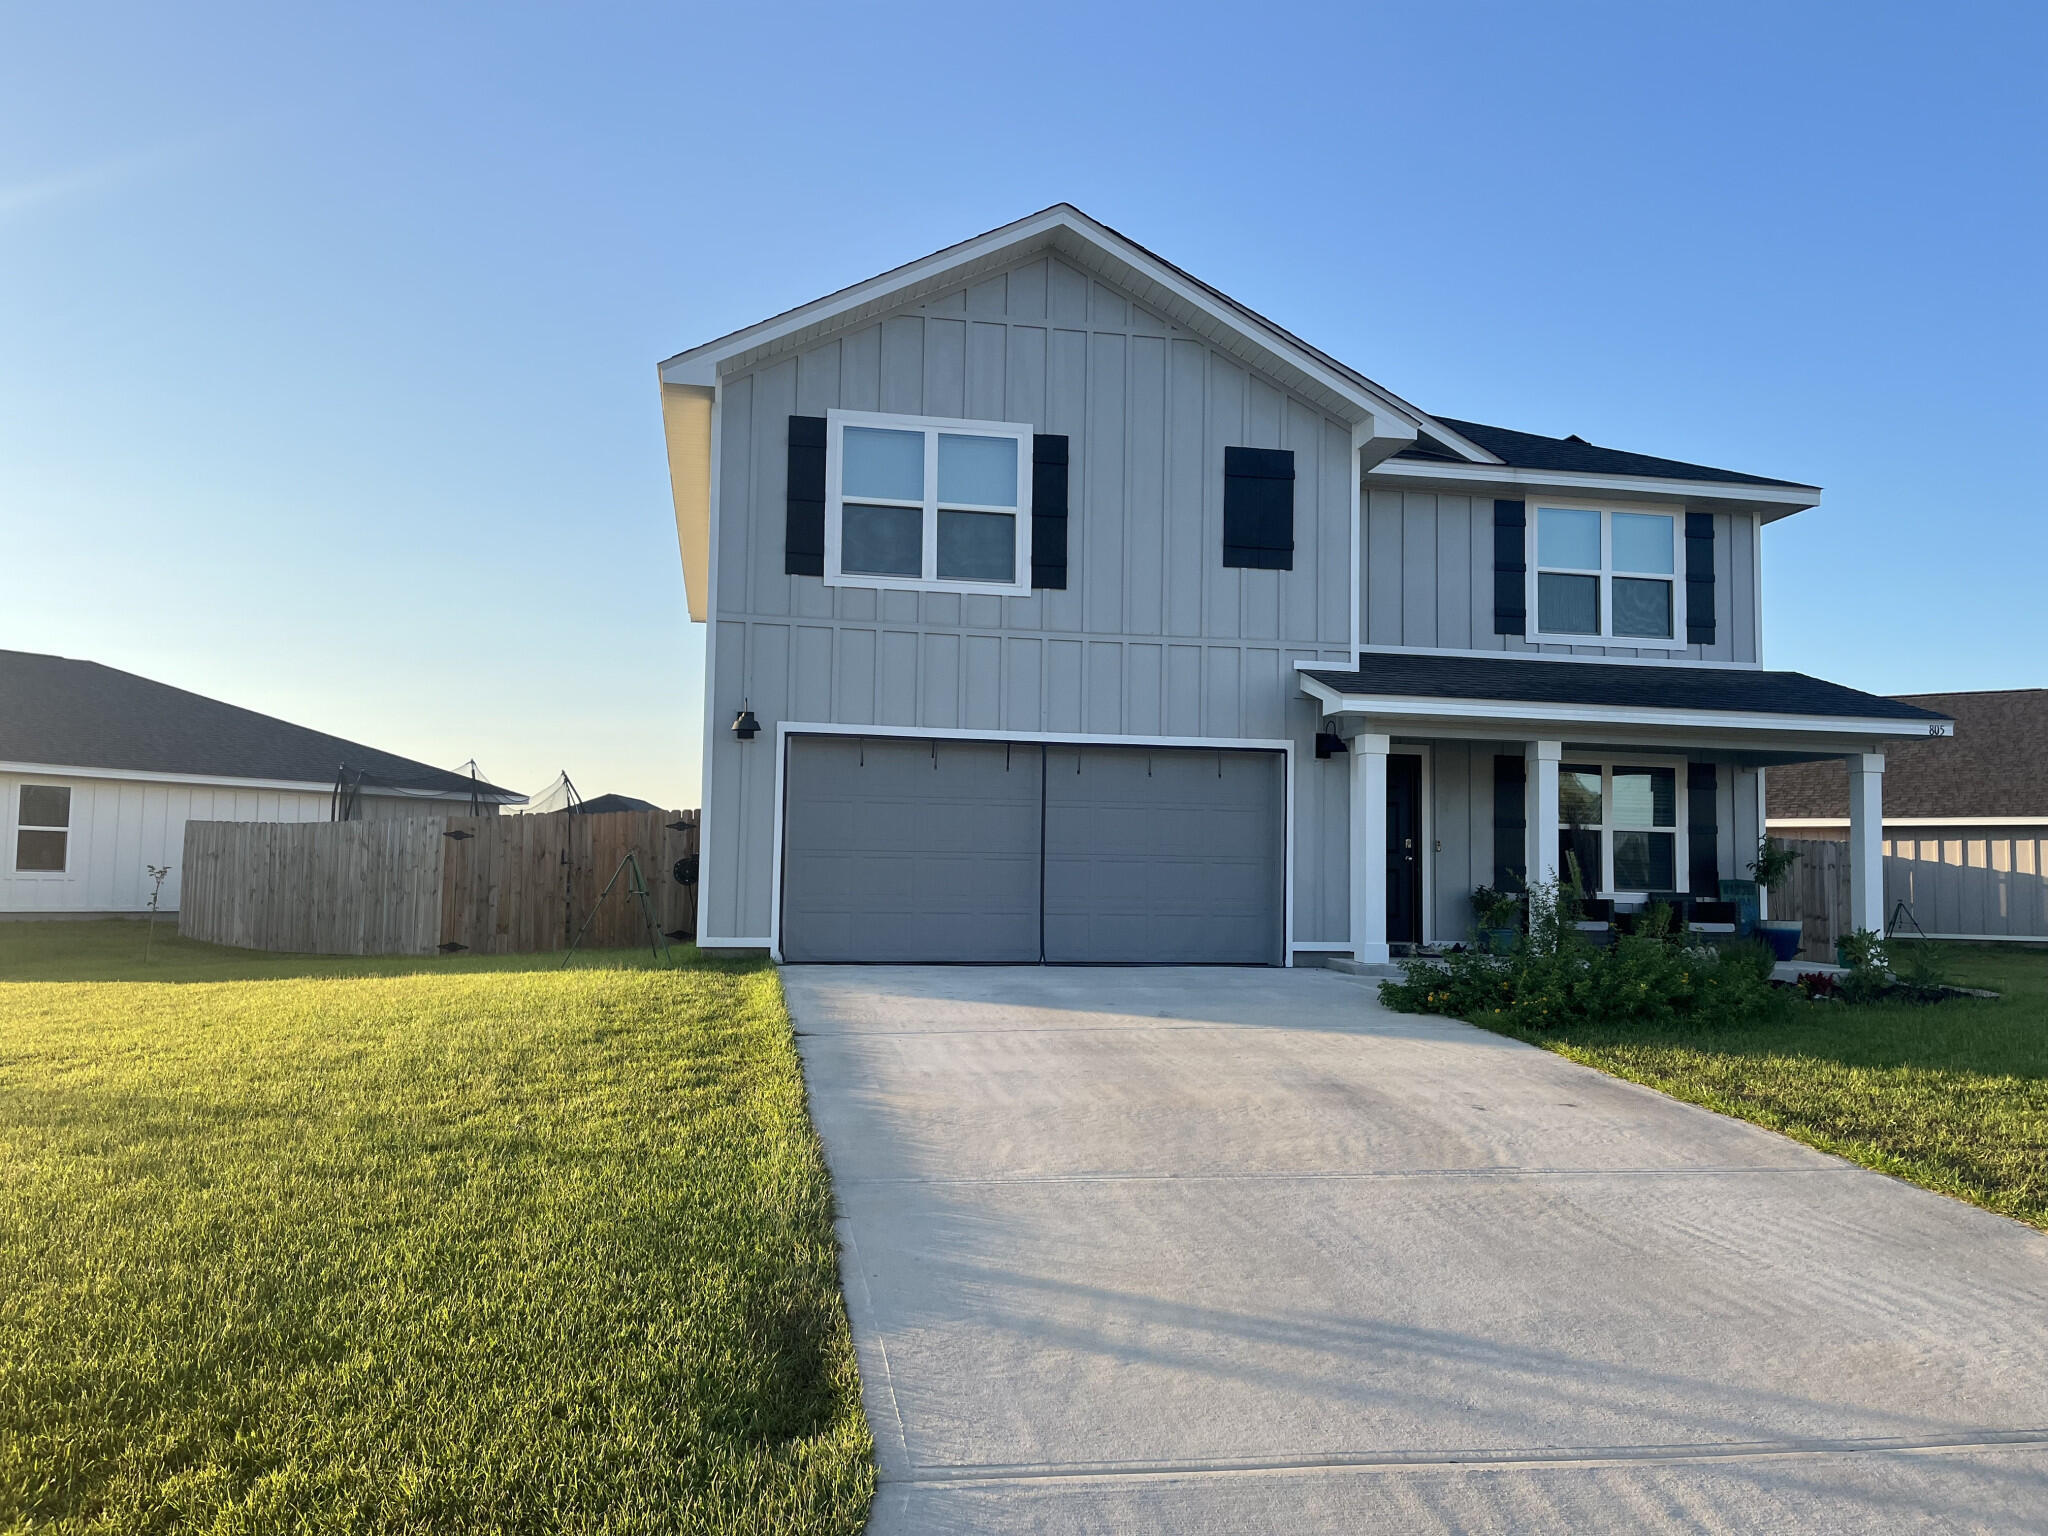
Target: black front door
[[1404, 849]]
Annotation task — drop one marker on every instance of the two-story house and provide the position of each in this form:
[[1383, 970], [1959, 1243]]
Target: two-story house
[[1063, 609]]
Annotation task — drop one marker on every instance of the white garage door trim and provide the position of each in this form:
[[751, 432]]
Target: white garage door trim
[[784, 729]]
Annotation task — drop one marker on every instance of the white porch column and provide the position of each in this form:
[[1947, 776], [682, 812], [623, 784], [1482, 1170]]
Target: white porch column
[[1866, 841], [1369, 847], [1540, 812]]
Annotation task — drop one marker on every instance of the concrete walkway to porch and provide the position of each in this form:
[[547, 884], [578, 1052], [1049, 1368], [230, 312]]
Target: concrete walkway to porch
[[1238, 1250]]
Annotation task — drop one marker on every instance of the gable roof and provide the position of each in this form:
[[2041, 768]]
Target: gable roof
[[1172, 292], [1527, 450], [1995, 765], [59, 713]]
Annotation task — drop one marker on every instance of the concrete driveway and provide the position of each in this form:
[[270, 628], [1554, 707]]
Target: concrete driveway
[[1233, 1251]]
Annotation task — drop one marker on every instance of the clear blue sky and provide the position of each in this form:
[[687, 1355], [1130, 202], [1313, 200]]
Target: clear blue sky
[[327, 339]]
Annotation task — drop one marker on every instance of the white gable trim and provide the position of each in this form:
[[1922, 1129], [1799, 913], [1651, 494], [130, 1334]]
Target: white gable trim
[[1104, 253]]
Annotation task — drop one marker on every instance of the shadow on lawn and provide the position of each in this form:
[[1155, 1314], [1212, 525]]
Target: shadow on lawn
[[120, 950]]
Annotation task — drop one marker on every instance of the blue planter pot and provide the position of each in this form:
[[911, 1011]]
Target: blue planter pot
[[1784, 942]]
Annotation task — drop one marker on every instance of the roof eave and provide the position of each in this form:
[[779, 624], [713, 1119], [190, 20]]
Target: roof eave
[[1773, 501], [1508, 714]]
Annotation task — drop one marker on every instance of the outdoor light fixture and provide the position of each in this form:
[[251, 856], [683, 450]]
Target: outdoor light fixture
[[744, 725], [1329, 744]]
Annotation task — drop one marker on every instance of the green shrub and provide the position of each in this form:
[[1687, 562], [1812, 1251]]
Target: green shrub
[[1555, 976]]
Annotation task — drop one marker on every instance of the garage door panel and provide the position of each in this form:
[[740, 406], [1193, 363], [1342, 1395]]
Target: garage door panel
[[1163, 856], [899, 851]]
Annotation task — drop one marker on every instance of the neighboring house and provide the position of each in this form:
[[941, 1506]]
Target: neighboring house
[[602, 805], [1965, 819], [1061, 608], [100, 770]]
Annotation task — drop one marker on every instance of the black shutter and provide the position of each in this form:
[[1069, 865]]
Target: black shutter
[[1699, 578], [803, 534], [1702, 830], [1510, 823], [1510, 568], [1258, 508], [1049, 511]]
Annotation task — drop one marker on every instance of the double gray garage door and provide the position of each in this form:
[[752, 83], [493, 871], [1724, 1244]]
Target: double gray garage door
[[1019, 852]]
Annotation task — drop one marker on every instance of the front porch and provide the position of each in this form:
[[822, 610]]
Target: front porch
[[1647, 781]]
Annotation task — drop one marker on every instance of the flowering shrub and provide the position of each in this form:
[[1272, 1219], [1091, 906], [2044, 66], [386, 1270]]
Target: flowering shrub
[[1554, 976]]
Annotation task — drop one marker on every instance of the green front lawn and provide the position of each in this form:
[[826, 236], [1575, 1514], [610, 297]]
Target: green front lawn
[[1953, 1096], [411, 1245]]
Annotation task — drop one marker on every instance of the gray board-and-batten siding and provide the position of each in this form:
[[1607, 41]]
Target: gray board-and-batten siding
[[1426, 579], [1154, 635]]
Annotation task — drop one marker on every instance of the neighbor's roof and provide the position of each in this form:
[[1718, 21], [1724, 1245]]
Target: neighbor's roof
[[1574, 455], [60, 713], [1995, 765], [1736, 690], [603, 805]]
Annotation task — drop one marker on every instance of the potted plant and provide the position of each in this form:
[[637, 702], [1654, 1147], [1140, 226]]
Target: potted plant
[[1499, 915], [1773, 868]]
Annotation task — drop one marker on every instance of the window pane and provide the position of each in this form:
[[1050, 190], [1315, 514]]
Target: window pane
[[1568, 605], [1646, 797], [1578, 856], [1643, 542], [1568, 538], [881, 463], [1578, 795], [1645, 861], [39, 852], [45, 805], [981, 471], [881, 541], [1642, 608], [977, 546]]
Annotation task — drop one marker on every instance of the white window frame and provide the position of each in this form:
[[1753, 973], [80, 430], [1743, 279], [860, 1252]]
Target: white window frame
[[20, 826], [836, 423], [1681, 870], [1606, 574]]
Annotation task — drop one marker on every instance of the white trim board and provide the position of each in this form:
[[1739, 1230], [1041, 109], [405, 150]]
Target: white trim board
[[1505, 655], [784, 729], [1421, 707]]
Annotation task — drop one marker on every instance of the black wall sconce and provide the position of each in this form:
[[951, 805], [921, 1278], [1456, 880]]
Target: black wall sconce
[[1329, 744], [744, 725]]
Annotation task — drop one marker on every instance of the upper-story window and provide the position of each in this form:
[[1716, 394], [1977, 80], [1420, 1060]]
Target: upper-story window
[[927, 504], [1608, 574]]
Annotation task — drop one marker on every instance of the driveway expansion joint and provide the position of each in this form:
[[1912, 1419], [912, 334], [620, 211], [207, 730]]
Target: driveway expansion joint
[[1481, 1459]]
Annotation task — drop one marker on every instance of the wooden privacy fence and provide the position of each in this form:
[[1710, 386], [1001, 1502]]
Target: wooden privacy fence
[[1984, 886], [484, 884]]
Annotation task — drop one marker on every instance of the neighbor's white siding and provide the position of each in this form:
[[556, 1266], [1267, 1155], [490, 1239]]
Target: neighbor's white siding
[[120, 826]]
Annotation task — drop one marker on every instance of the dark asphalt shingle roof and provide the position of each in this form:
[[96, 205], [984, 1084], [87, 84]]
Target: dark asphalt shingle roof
[[1527, 450], [79, 714], [1995, 765], [1628, 686], [604, 805]]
